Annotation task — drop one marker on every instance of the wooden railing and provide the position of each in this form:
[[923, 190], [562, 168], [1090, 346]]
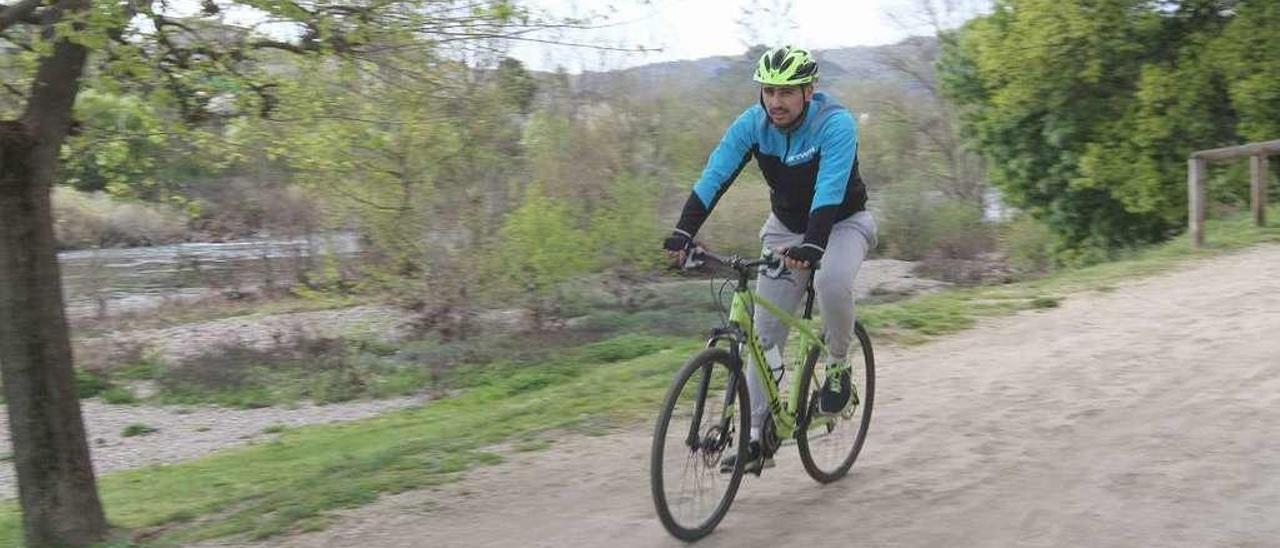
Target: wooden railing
[[1198, 165]]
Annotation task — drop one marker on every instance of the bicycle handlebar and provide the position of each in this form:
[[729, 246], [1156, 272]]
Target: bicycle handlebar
[[771, 260]]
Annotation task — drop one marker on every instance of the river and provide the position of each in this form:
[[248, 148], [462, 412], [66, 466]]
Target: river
[[137, 278]]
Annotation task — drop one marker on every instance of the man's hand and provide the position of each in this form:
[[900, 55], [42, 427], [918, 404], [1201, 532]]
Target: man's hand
[[677, 246], [801, 257]]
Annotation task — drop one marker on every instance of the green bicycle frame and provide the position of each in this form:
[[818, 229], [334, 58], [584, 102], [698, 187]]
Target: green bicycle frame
[[784, 412]]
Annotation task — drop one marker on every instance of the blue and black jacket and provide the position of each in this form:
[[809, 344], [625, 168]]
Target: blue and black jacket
[[811, 169]]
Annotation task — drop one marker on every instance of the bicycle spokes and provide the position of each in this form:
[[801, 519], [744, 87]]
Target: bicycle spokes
[[701, 424]]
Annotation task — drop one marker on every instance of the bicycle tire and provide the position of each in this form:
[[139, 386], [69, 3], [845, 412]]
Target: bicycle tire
[[861, 417], [711, 364]]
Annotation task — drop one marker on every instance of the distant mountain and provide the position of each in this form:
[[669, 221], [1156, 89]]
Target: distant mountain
[[839, 67]]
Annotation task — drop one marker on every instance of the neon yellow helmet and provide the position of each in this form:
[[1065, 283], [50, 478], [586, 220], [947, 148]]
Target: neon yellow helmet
[[786, 66]]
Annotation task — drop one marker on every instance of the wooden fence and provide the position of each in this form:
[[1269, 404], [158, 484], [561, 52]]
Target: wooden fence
[[1197, 166]]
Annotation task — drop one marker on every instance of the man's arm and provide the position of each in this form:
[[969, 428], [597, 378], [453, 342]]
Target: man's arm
[[723, 166], [838, 143]]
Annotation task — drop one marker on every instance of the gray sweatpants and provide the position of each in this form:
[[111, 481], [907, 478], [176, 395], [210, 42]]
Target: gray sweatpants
[[846, 248]]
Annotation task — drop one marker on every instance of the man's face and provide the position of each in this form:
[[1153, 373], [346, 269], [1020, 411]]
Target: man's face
[[785, 103]]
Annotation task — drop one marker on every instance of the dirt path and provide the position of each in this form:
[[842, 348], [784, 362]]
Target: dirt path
[[1146, 416]]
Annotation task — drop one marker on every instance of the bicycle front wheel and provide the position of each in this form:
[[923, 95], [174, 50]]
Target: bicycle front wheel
[[704, 419], [829, 444]]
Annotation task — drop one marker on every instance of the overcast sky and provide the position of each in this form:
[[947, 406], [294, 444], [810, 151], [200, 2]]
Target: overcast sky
[[690, 29]]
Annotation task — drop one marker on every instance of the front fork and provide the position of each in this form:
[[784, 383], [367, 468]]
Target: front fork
[[782, 420]]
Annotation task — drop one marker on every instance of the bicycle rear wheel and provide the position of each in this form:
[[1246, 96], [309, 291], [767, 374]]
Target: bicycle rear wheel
[[705, 418], [829, 444]]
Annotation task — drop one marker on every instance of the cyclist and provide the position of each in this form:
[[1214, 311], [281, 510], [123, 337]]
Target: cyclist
[[806, 146]]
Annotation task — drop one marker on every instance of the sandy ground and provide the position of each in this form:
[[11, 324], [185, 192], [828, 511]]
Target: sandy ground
[[1144, 416]]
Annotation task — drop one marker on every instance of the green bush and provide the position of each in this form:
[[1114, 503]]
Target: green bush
[[903, 217], [956, 231], [1029, 245], [85, 220], [916, 222]]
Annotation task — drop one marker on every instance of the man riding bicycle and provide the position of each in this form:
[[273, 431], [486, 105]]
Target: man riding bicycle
[[806, 145]]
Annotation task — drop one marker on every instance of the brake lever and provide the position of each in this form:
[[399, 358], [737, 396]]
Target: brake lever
[[778, 270], [692, 259]]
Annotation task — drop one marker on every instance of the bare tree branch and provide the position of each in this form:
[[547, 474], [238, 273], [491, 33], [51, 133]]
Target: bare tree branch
[[333, 186], [15, 91]]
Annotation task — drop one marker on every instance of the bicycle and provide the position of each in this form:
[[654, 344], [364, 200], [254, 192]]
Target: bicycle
[[711, 416]]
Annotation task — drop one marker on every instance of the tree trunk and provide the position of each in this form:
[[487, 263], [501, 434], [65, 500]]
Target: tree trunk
[[56, 484], [55, 476]]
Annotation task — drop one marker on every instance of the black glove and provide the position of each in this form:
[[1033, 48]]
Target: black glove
[[677, 241], [807, 253]]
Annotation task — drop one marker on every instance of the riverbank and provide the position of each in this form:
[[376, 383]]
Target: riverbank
[[102, 344], [104, 283]]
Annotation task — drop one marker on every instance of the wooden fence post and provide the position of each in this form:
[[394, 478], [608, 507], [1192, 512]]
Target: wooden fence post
[[1258, 196], [1195, 184]]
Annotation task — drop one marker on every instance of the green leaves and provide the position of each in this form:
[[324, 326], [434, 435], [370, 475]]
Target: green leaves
[[1087, 110], [539, 247]]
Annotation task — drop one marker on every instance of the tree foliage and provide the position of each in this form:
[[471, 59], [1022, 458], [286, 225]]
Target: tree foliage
[[1086, 110], [149, 62]]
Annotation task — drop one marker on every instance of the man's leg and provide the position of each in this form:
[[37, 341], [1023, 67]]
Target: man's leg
[[846, 248], [786, 294]]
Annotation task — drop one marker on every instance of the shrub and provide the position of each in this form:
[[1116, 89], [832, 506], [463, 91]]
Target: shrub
[[956, 231], [903, 216], [1029, 246], [86, 220], [321, 369], [916, 223]]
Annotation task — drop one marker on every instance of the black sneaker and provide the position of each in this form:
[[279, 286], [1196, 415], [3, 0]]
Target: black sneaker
[[833, 397], [756, 462]]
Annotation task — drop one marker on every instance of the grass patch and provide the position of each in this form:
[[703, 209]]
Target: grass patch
[[529, 446], [1045, 302], [144, 370], [138, 429], [270, 489], [322, 370], [119, 395], [90, 383]]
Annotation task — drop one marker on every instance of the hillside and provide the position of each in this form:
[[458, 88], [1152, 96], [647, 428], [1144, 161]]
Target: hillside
[[842, 66]]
